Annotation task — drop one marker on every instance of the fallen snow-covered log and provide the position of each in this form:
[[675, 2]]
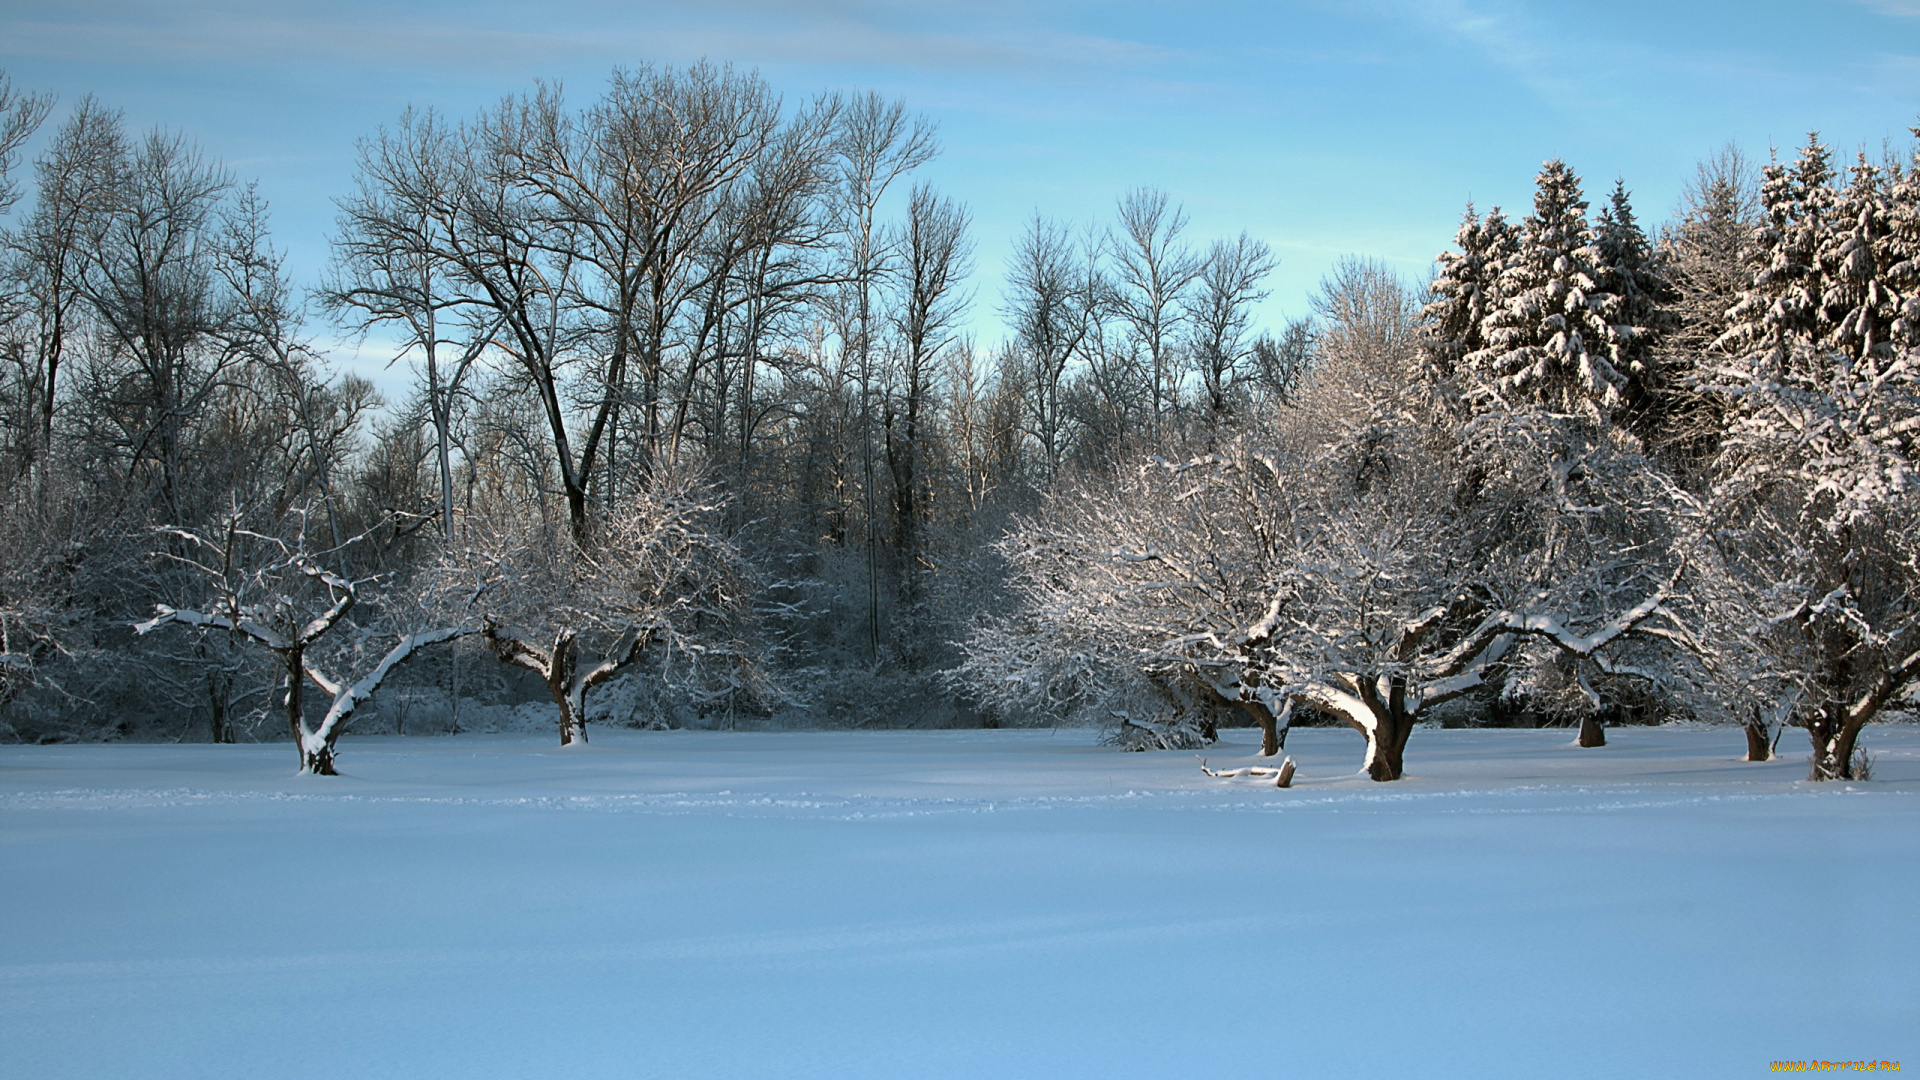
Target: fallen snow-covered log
[[1282, 776]]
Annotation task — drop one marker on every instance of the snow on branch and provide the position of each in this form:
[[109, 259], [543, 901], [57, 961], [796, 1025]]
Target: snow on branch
[[164, 614], [348, 696]]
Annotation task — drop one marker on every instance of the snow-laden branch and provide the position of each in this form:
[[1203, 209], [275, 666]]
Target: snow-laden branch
[[252, 628], [625, 651], [1553, 630], [347, 696], [567, 679], [344, 596]]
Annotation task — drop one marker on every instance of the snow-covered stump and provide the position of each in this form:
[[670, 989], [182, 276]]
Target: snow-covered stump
[[559, 667]]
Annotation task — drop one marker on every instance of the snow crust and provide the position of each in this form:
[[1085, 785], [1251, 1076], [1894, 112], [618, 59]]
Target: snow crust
[[953, 904]]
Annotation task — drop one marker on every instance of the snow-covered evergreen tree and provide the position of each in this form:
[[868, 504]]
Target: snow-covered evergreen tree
[[1819, 507], [1902, 247], [1858, 305], [1465, 288], [1782, 304], [1548, 342], [1633, 297]]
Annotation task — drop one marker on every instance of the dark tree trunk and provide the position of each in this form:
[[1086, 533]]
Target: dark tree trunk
[[1271, 738], [295, 674], [219, 698], [1759, 744], [1834, 738], [560, 680], [1591, 733], [1389, 757], [1392, 727], [318, 760]]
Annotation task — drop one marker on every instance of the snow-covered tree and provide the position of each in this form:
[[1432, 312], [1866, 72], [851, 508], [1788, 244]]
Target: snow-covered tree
[[1633, 296], [659, 581], [1858, 304], [1548, 341], [1466, 288], [1708, 254], [1816, 492], [1366, 556], [1366, 578], [1782, 303], [1901, 248], [275, 593]]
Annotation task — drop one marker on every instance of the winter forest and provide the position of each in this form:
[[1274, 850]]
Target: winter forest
[[710, 429]]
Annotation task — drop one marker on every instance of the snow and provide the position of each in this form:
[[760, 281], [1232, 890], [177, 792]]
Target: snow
[[954, 904]]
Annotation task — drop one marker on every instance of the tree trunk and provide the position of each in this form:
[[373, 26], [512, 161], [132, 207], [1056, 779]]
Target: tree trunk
[[219, 698], [318, 758], [1393, 724], [560, 684], [1270, 740], [1591, 733], [1759, 744], [1834, 737], [1389, 755]]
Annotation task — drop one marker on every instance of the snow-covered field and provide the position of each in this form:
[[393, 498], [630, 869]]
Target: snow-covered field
[[954, 904]]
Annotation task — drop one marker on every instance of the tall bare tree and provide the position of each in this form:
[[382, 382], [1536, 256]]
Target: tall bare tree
[[1152, 272], [1220, 317], [1056, 297], [391, 271], [934, 252], [880, 143]]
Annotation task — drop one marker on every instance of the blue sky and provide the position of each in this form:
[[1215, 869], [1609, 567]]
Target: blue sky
[[1322, 128]]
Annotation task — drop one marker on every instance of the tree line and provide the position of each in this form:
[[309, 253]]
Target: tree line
[[695, 416], [1595, 475]]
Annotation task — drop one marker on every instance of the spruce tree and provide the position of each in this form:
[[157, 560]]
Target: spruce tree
[[1466, 288], [1857, 306], [1547, 342], [1782, 305], [1633, 297], [1903, 251]]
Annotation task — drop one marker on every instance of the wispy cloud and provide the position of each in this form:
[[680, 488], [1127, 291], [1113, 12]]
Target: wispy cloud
[[1904, 8], [745, 31], [1506, 36]]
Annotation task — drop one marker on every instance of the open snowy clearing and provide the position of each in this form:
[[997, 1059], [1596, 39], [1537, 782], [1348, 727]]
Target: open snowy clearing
[[954, 904]]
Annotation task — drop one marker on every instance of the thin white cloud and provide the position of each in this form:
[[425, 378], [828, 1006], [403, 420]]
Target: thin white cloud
[[747, 32], [1909, 9]]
